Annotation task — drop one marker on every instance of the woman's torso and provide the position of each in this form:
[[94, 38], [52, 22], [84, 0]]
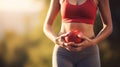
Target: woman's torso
[[85, 27]]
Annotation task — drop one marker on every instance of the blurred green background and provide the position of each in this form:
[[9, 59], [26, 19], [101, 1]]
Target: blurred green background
[[27, 46]]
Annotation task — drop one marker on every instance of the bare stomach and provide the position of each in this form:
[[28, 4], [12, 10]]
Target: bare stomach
[[86, 29]]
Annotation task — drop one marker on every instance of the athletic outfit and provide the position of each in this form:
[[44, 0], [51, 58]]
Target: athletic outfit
[[89, 57], [85, 12]]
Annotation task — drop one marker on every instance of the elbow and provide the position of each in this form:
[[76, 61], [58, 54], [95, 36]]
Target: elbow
[[111, 29], [44, 28]]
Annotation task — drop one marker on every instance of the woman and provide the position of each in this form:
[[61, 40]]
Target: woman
[[77, 15]]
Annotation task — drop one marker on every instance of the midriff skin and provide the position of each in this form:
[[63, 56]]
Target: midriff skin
[[86, 29]]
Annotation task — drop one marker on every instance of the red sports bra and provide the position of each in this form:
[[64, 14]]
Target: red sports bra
[[84, 13]]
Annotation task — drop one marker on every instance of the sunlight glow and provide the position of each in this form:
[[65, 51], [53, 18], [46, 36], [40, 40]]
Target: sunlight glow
[[19, 5], [17, 15]]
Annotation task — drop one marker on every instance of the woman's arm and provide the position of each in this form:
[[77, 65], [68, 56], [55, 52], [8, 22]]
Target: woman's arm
[[106, 20], [52, 13], [104, 33]]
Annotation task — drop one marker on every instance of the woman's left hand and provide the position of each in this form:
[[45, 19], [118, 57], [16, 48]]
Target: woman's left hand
[[83, 45]]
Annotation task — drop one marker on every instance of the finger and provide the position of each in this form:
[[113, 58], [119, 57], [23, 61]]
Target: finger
[[74, 45], [62, 39], [57, 40], [61, 44], [79, 44], [69, 48], [70, 43], [86, 38], [63, 35], [78, 49], [65, 44]]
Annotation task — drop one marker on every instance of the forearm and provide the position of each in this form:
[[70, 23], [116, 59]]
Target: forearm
[[103, 34], [50, 33], [51, 15], [106, 20]]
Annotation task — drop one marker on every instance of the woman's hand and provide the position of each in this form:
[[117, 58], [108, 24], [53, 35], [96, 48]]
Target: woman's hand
[[71, 46], [61, 42], [83, 45]]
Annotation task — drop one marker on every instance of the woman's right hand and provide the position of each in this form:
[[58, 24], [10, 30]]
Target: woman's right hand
[[61, 42]]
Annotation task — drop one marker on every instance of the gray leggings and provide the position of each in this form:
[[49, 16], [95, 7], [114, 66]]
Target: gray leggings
[[86, 58]]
